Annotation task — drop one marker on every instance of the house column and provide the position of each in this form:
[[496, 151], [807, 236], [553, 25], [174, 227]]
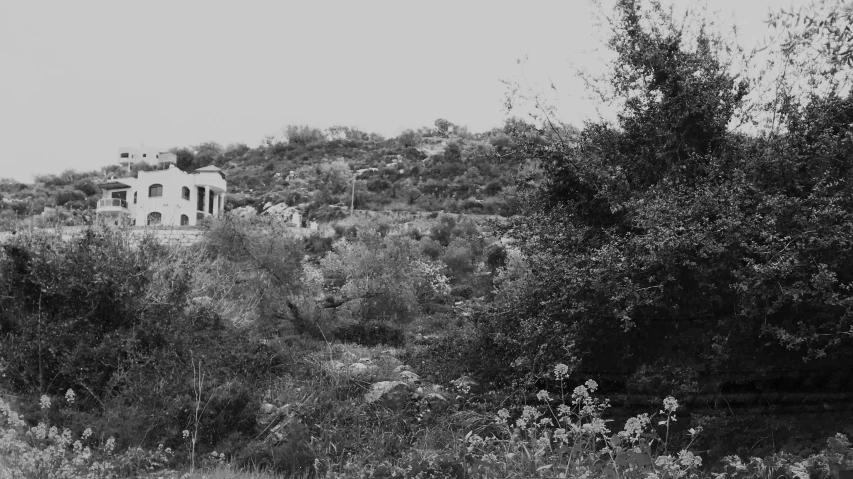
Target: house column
[[204, 208]]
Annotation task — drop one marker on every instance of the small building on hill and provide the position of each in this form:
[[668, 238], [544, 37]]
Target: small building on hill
[[165, 196]]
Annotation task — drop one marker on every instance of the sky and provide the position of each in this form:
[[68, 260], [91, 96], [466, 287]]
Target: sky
[[78, 80]]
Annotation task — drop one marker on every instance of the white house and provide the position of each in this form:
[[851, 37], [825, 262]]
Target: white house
[[165, 196]]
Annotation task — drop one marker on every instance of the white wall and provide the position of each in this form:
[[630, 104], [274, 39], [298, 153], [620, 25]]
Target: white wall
[[171, 205]]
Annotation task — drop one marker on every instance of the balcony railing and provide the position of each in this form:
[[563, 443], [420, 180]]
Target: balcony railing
[[112, 203]]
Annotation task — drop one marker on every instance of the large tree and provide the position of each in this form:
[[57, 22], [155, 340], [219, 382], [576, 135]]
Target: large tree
[[668, 253]]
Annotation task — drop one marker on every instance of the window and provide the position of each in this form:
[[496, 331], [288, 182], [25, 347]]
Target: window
[[125, 155], [200, 202], [154, 218], [185, 220], [144, 155], [134, 197], [155, 190], [185, 193]]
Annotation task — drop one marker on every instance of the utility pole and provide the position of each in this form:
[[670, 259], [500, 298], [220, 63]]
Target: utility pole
[[352, 200]]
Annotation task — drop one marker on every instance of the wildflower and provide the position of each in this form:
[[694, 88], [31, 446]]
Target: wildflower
[[560, 435], [591, 385], [579, 394], [530, 413], [670, 404], [688, 459], [185, 433], [168, 450], [44, 401], [110, 445], [634, 426], [87, 433], [70, 396], [596, 426], [561, 371], [503, 415], [543, 396]]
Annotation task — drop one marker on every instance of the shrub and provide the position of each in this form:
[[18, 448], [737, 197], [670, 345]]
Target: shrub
[[66, 195], [370, 334], [386, 279], [317, 244], [459, 257], [464, 291]]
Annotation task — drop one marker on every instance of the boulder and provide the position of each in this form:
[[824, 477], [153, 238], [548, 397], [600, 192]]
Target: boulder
[[409, 376], [392, 394], [357, 369]]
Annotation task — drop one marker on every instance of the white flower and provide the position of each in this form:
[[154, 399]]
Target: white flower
[[688, 459], [70, 396], [543, 395], [561, 371], [579, 394], [635, 426], [185, 433], [44, 401], [503, 415], [670, 404]]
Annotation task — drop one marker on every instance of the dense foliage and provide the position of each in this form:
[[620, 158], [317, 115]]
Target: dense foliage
[[665, 257], [669, 254]]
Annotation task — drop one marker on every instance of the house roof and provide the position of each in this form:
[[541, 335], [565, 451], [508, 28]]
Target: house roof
[[211, 169], [113, 185]]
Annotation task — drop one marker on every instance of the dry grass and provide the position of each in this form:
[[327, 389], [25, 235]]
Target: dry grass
[[232, 472]]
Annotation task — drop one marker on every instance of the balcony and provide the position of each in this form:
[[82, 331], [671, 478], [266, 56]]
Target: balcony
[[112, 204]]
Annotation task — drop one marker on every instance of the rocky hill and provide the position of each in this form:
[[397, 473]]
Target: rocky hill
[[322, 172]]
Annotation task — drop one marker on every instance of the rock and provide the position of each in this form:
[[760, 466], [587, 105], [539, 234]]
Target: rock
[[267, 408], [358, 368], [402, 367], [392, 394], [437, 398], [409, 376]]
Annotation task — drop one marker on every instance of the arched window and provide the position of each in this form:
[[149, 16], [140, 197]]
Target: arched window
[[154, 218], [134, 197], [155, 190], [185, 220], [185, 193]]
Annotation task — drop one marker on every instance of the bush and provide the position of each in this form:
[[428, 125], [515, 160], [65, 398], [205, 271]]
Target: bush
[[370, 333], [464, 291], [116, 320], [317, 244], [459, 257], [66, 195], [386, 278]]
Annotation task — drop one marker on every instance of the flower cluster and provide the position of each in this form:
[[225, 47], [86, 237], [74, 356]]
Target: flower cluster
[[574, 437], [48, 451]]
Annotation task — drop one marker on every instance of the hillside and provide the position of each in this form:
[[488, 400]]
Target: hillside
[[440, 168]]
